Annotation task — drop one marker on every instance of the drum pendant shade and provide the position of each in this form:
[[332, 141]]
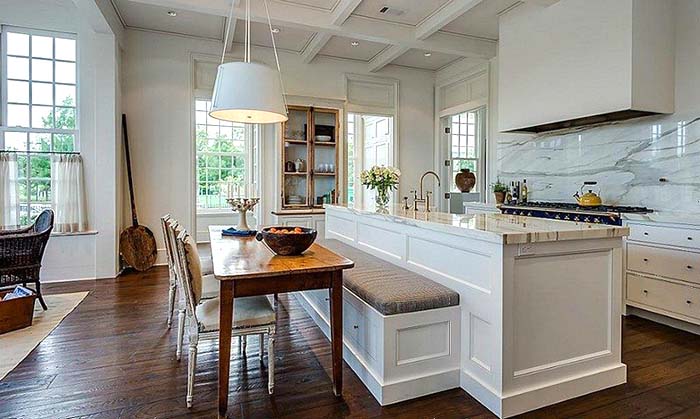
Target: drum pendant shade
[[249, 93]]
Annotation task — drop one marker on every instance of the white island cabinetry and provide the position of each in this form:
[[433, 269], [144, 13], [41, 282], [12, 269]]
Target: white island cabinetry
[[540, 300]]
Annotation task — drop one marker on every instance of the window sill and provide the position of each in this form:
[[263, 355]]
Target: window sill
[[77, 233]]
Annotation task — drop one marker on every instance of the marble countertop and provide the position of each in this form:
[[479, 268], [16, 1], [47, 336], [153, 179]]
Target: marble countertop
[[497, 228], [666, 217]]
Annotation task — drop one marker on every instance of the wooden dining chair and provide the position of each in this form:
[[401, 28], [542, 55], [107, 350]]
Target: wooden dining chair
[[252, 315], [210, 285]]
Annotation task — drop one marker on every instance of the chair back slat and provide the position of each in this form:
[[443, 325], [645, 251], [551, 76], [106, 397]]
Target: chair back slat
[[168, 244], [184, 272]]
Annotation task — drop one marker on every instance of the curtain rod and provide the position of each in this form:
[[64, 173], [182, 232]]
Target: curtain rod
[[39, 152]]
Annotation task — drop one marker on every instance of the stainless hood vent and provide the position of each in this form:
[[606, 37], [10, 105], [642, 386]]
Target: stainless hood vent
[[585, 121]]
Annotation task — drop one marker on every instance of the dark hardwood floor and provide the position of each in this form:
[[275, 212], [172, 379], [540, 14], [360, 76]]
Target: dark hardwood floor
[[113, 357]]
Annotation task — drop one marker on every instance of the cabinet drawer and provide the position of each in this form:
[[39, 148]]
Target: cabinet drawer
[[676, 264], [667, 296], [665, 235]]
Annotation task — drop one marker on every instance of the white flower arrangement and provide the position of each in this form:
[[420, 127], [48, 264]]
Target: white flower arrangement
[[381, 178]]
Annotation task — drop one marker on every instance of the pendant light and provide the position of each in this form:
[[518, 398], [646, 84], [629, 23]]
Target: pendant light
[[248, 92]]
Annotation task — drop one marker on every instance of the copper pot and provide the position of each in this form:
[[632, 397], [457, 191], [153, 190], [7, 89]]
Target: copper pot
[[465, 180]]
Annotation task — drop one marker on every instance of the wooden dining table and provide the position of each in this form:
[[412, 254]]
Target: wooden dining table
[[246, 267]]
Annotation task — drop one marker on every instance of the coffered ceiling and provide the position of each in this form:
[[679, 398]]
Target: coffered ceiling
[[387, 32]]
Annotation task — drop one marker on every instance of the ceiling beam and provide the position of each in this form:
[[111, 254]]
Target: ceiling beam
[[343, 10], [385, 57], [315, 46], [544, 3], [355, 27], [447, 14]]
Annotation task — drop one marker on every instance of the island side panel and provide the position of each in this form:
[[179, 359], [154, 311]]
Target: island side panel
[[562, 321]]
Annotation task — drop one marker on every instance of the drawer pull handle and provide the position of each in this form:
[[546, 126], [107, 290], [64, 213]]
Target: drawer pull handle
[[689, 267], [690, 238], [645, 292], [354, 326], [327, 298], [689, 302], [645, 260], [646, 234]]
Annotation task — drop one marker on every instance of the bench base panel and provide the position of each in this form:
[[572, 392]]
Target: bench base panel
[[391, 381]]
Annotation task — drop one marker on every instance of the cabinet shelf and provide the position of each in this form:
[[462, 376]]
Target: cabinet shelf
[[295, 173], [292, 141], [327, 144]]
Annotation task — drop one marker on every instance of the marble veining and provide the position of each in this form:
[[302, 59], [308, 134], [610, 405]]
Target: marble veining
[[627, 159], [497, 228]]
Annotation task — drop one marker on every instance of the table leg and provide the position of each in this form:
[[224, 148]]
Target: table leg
[[225, 326], [336, 294]]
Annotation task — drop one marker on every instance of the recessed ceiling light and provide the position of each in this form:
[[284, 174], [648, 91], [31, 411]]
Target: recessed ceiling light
[[427, 54], [354, 43], [275, 30], [172, 13]]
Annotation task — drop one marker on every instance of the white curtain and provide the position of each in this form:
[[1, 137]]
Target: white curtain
[[68, 193], [8, 190]]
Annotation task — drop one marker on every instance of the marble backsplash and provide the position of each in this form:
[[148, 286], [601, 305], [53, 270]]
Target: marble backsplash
[[627, 159]]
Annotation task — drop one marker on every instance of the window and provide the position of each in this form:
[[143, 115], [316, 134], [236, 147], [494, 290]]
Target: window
[[466, 145], [227, 159], [351, 158], [39, 114]]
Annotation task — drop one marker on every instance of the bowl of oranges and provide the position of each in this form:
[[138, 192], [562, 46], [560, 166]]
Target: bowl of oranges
[[287, 241]]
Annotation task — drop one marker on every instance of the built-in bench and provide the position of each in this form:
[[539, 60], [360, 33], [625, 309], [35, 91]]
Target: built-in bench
[[400, 330]]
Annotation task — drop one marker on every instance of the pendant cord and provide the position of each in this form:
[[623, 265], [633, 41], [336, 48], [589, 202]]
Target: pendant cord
[[228, 30], [277, 59], [247, 31]]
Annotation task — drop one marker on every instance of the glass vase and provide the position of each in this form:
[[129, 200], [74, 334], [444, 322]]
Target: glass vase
[[381, 198]]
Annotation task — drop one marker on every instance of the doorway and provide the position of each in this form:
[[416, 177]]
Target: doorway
[[370, 142]]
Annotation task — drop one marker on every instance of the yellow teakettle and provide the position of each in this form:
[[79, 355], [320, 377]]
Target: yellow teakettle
[[590, 198]]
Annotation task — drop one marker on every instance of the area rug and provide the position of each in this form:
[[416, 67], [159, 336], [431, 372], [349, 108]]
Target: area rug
[[18, 344]]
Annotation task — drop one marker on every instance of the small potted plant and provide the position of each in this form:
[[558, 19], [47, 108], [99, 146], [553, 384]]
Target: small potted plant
[[382, 179], [499, 191]]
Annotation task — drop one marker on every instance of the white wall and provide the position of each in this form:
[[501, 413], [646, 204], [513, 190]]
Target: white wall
[[95, 255], [158, 101]]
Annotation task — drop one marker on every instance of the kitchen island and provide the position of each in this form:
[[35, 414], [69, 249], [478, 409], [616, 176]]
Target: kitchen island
[[540, 300]]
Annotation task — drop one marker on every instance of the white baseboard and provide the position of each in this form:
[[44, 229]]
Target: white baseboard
[[534, 398], [385, 393]]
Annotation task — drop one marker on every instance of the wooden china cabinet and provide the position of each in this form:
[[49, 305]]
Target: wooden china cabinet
[[309, 165]]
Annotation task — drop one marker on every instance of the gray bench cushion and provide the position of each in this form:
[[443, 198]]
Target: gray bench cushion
[[387, 287]]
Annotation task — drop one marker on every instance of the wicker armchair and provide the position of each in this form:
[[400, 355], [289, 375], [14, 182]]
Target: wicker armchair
[[21, 252]]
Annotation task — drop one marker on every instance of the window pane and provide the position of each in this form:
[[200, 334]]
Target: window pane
[[40, 191], [42, 93], [39, 142], [65, 95], [201, 105], [65, 72], [42, 46], [15, 141], [65, 49], [22, 168], [201, 117], [42, 70], [42, 117], [17, 44], [17, 115], [65, 118], [17, 91], [18, 68], [63, 142], [35, 210], [40, 167]]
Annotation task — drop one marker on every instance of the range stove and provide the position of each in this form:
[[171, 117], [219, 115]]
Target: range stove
[[604, 214]]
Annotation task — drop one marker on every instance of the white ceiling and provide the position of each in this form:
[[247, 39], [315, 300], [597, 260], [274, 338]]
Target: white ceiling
[[144, 16], [291, 39], [341, 47], [312, 27], [482, 20], [416, 58], [415, 11]]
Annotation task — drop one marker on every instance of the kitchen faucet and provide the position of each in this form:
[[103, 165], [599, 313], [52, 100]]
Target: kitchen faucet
[[425, 199]]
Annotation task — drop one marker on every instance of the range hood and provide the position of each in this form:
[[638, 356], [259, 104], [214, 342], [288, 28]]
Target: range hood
[[583, 62]]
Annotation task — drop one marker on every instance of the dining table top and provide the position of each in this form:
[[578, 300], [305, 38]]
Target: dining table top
[[245, 257]]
